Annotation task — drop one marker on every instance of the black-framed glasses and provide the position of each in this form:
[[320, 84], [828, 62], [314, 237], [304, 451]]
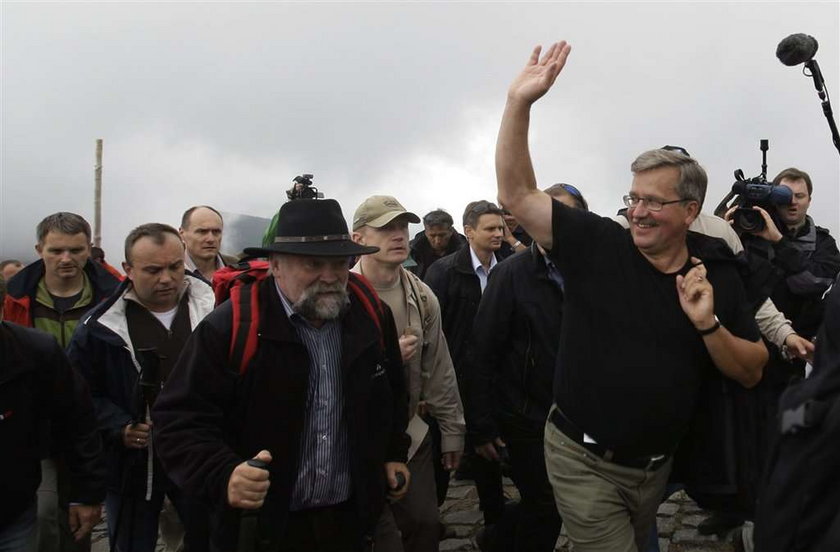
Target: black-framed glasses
[[652, 204]]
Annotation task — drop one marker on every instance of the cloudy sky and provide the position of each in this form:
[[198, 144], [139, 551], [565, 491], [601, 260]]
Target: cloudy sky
[[224, 103]]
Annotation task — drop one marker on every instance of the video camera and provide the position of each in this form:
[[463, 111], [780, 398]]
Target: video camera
[[751, 192], [302, 188]]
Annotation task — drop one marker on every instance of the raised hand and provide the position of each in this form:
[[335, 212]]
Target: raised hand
[[539, 74]]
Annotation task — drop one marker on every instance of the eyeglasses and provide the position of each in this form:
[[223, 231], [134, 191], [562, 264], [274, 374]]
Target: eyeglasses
[[651, 204], [678, 149]]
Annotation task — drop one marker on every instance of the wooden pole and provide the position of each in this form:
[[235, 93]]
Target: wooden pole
[[97, 196]]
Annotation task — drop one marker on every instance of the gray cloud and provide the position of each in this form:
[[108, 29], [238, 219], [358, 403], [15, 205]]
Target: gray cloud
[[224, 103]]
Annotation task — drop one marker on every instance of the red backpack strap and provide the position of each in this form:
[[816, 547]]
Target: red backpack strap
[[363, 290], [246, 322]]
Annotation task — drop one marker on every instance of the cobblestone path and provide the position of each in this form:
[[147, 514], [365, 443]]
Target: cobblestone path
[[677, 521]]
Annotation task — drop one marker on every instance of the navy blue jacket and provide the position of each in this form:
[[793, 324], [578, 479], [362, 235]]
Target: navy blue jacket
[[101, 350]]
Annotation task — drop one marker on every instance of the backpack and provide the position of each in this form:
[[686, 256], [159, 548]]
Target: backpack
[[799, 508], [239, 283], [420, 297]]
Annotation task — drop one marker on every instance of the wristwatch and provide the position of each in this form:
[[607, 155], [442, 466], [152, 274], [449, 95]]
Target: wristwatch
[[711, 330]]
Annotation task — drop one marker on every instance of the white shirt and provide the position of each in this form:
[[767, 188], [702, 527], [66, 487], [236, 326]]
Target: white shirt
[[479, 268], [167, 317]]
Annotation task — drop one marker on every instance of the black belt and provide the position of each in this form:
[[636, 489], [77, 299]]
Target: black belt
[[649, 463]]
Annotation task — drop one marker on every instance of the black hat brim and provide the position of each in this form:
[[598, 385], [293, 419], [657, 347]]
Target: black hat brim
[[337, 248]]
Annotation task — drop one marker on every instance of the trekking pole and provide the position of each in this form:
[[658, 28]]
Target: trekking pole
[[249, 521]]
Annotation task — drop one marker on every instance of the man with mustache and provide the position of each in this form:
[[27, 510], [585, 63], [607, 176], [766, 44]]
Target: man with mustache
[[319, 400], [51, 295], [126, 348]]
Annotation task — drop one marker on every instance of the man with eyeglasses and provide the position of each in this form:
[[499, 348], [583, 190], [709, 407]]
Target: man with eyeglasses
[[648, 315]]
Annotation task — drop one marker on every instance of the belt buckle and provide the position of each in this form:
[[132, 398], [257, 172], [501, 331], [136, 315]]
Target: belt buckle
[[654, 462]]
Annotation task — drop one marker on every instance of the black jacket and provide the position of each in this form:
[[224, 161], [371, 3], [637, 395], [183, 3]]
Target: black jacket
[[458, 290], [209, 418], [719, 460], [37, 385], [803, 266], [514, 345], [423, 256]]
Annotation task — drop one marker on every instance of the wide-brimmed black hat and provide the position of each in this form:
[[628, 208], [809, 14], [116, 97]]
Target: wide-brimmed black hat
[[312, 227]]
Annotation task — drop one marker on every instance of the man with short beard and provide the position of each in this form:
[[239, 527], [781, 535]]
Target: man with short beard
[[321, 402]]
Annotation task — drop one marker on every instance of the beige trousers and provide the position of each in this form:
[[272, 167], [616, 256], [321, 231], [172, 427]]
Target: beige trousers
[[604, 506]]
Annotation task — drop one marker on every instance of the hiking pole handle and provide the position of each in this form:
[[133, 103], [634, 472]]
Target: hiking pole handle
[[249, 520]]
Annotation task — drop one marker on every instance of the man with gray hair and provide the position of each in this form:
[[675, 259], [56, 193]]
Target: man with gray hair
[[316, 401], [668, 304]]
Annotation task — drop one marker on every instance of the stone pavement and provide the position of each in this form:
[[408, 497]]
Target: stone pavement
[[677, 520]]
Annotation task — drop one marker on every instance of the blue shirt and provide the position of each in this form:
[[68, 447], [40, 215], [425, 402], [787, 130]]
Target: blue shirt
[[323, 476], [479, 268]]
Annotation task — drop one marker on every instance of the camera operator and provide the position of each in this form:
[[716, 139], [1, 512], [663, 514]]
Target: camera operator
[[801, 261], [803, 257]]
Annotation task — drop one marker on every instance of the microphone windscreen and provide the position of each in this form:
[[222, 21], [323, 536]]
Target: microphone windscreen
[[797, 48]]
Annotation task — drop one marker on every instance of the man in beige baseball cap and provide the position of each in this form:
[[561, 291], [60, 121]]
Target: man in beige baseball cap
[[412, 523], [378, 210]]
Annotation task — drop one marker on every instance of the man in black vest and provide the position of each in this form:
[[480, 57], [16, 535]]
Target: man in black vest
[[126, 348]]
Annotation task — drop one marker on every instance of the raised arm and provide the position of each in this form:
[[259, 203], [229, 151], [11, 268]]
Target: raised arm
[[517, 185]]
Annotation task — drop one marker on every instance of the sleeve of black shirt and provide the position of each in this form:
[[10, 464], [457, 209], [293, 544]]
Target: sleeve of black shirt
[[577, 236], [731, 305]]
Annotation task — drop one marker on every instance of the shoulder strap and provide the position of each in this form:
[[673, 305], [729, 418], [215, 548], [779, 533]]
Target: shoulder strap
[[421, 296], [246, 321], [363, 290], [246, 313]]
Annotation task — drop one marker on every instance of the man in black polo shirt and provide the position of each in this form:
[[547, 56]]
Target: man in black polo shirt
[[648, 316]]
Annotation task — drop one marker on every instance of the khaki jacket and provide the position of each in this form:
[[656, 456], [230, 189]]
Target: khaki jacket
[[430, 375]]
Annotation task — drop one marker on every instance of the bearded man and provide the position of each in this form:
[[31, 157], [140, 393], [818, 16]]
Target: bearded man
[[321, 404]]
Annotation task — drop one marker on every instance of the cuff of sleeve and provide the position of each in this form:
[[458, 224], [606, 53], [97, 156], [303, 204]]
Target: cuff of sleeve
[[451, 443], [782, 335]]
